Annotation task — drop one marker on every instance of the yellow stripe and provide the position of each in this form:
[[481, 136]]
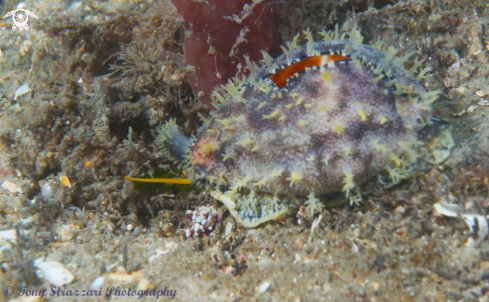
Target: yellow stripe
[[182, 181]]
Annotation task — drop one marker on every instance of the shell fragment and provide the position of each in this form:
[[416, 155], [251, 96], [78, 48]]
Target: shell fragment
[[24, 89]]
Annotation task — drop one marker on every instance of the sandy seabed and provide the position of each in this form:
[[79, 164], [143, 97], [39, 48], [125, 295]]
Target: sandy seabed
[[103, 75]]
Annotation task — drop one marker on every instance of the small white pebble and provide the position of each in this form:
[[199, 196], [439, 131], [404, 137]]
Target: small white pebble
[[263, 287], [47, 191], [229, 228], [400, 209], [97, 283], [161, 251]]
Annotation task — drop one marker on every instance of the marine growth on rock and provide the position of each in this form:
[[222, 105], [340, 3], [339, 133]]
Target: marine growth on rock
[[323, 117]]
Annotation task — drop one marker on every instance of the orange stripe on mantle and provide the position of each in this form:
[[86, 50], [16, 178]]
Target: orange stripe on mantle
[[280, 78]]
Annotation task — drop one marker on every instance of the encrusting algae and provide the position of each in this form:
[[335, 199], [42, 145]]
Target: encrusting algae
[[323, 117]]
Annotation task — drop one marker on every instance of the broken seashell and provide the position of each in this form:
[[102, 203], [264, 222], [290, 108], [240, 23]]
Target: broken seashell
[[24, 89], [471, 109], [169, 246], [11, 187], [477, 223], [483, 102], [8, 236], [53, 272]]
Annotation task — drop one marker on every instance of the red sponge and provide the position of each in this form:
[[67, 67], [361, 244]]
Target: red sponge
[[220, 34]]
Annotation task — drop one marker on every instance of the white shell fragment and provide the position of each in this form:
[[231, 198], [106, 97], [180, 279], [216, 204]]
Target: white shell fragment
[[483, 102], [122, 277], [8, 236], [169, 246], [477, 223], [445, 209], [53, 272], [354, 248], [24, 89], [11, 187], [468, 110], [471, 109], [263, 287], [65, 233], [97, 283]]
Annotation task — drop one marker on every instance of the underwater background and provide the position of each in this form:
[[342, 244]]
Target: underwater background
[[86, 88]]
